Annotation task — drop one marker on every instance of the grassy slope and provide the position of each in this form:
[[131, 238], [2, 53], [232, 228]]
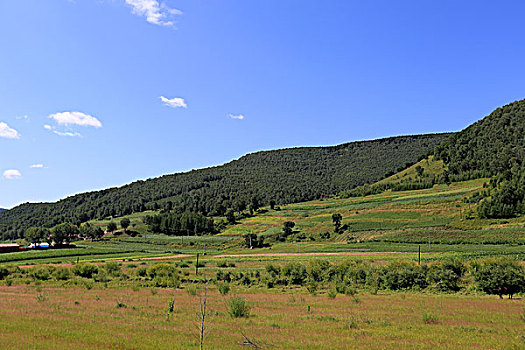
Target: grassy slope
[[390, 221]]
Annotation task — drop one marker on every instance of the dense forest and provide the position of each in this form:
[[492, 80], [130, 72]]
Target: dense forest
[[492, 147], [279, 176]]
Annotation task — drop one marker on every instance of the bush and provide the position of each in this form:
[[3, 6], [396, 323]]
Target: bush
[[113, 268], [163, 275], [4, 272], [499, 276], [41, 273], [238, 307], [142, 272], [318, 270], [62, 273], [85, 270], [223, 288], [191, 289], [295, 272], [446, 276]]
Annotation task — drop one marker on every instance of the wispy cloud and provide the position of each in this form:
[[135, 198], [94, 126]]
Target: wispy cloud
[[75, 118], [24, 117], [12, 174], [238, 116], [37, 166], [7, 132], [174, 102], [67, 133], [154, 12]]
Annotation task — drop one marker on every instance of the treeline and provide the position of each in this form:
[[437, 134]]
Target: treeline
[[367, 190], [500, 276], [190, 224], [492, 147], [282, 176]]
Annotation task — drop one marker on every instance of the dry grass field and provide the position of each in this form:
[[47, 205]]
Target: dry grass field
[[58, 317]]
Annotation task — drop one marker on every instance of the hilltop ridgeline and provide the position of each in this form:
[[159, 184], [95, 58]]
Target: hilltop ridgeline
[[492, 147], [279, 176]]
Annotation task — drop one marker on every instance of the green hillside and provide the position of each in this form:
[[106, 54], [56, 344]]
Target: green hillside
[[284, 176], [494, 146]]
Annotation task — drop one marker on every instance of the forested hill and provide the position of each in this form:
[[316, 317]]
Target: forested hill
[[283, 176], [492, 147]]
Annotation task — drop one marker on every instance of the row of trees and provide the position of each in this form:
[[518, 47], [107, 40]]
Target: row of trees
[[500, 276], [63, 233], [180, 224]]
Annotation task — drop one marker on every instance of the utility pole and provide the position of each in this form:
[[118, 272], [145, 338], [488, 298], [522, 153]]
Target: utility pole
[[419, 256], [197, 265]]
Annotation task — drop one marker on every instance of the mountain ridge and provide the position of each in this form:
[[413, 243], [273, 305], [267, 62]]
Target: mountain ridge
[[283, 175]]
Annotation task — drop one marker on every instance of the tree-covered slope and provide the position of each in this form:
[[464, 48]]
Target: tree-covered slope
[[492, 147], [284, 176]]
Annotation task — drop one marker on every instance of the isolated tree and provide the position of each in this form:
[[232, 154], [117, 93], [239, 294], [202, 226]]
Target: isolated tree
[[288, 227], [420, 170], [112, 227], [36, 235], [239, 205], [124, 223], [98, 234], [336, 219], [64, 233], [255, 203], [87, 231], [230, 216]]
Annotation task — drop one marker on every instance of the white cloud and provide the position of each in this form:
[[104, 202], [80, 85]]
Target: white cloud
[[12, 174], [36, 166], [155, 12], [67, 133], [48, 127], [25, 117], [75, 118], [174, 102], [7, 132], [239, 116]]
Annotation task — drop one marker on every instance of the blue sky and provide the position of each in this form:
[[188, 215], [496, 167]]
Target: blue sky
[[81, 81]]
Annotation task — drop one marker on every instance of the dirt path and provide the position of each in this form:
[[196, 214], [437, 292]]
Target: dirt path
[[183, 256], [308, 254]]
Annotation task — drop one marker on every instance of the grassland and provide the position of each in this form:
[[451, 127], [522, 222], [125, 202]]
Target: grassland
[[55, 317]]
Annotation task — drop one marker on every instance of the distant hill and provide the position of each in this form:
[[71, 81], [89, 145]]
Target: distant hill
[[1, 209], [284, 176], [492, 147]]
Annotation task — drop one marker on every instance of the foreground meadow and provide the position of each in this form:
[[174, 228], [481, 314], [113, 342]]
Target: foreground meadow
[[56, 317]]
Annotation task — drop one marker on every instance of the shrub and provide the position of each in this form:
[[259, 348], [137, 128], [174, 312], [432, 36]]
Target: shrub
[[40, 273], [222, 264], [295, 272], [62, 273], [141, 272], [163, 275], [238, 307], [429, 318], [318, 270], [446, 276], [85, 270], [223, 287], [4, 272], [499, 276], [113, 268], [191, 289], [332, 293]]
